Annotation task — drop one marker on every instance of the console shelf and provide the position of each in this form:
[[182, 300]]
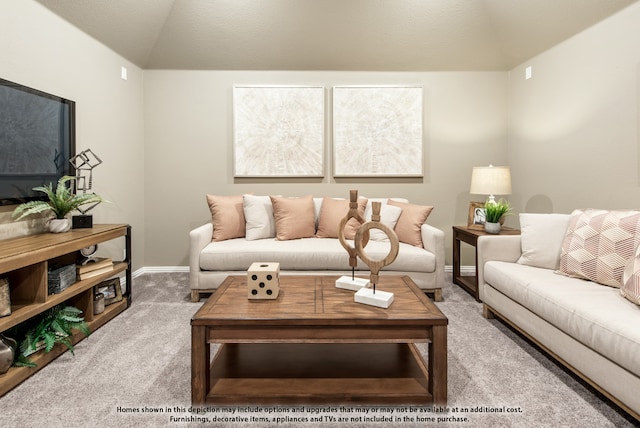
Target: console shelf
[[25, 261]]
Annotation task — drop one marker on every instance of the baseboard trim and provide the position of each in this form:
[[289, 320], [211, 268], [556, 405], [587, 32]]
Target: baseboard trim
[[468, 270], [159, 269]]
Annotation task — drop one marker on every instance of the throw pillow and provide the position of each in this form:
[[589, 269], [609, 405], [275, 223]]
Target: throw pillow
[[389, 215], [599, 244], [258, 214], [332, 212], [227, 216], [294, 217], [410, 222], [631, 279], [541, 237]]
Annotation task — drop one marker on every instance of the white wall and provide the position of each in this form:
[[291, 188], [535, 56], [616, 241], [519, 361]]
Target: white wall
[[41, 50], [189, 140], [574, 128], [570, 134]]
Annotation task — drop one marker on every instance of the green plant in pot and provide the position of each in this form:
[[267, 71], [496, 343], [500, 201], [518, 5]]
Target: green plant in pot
[[54, 326], [60, 202], [494, 212]]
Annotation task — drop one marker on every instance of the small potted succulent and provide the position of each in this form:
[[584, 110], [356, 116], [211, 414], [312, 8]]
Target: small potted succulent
[[494, 212], [60, 202]]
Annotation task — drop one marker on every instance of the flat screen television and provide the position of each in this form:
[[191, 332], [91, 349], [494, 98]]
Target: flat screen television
[[37, 139]]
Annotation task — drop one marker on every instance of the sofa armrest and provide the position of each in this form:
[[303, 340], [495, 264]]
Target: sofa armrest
[[504, 248], [433, 241], [198, 239]]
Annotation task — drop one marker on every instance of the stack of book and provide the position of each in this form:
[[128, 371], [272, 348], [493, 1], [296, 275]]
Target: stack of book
[[94, 267]]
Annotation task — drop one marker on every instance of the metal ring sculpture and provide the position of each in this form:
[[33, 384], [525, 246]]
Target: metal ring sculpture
[[360, 241], [352, 213]]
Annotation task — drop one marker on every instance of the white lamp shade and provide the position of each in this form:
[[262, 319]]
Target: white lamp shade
[[491, 180]]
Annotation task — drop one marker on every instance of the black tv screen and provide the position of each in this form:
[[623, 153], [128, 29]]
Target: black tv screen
[[37, 139]]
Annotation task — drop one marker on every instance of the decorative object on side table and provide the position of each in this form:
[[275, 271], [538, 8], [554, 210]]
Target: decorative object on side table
[[84, 163], [5, 298], [495, 213], [477, 215], [60, 202], [263, 281], [369, 296], [346, 282]]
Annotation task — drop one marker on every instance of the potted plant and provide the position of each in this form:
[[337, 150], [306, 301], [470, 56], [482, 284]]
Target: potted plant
[[60, 203], [54, 326], [494, 211]]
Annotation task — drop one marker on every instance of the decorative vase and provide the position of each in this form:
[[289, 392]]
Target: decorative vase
[[492, 227], [7, 353], [59, 225]]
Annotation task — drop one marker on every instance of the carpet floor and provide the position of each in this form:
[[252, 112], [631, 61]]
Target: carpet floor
[[135, 371]]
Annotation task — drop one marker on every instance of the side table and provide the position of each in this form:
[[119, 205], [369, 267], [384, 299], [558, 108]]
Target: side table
[[470, 236]]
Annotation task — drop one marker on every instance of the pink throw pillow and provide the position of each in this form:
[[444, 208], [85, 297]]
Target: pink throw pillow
[[227, 216], [294, 217], [332, 212], [409, 226]]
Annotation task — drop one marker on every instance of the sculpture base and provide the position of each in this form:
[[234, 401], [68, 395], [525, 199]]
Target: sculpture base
[[354, 284], [381, 299]]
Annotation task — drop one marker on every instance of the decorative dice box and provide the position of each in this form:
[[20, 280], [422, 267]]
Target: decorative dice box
[[263, 281]]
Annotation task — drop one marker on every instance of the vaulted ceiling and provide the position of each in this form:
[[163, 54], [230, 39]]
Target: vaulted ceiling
[[371, 35]]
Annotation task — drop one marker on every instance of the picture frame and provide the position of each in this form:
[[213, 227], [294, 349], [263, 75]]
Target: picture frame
[[378, 131], [278, 131], [112, 291], [477, 215]]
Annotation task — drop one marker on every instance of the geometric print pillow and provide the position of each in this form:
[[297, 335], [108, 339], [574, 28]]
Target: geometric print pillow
[[599, 244], [631, 279]]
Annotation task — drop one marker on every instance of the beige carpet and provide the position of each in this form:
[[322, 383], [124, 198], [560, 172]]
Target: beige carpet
[[135, 371]]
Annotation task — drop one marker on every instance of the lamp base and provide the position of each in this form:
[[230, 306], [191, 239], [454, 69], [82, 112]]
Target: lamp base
[[380, 299], [349, 283]]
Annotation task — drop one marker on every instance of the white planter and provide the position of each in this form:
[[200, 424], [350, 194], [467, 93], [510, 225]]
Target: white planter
[[492, 227], [59, 225]]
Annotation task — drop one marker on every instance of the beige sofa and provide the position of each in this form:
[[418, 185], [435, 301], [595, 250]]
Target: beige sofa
[[590, 328], [211, 261]]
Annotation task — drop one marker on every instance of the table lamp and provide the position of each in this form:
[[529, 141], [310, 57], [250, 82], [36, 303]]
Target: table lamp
[[491, 180]]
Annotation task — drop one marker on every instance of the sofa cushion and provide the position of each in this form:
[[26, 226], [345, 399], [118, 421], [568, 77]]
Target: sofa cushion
[[258, 214], [294, 217], [332, 211], [597, 316], [599, 243], [631, 279], [541, 237], [227, 216], [308, 254], [389, 215], [410, 222]]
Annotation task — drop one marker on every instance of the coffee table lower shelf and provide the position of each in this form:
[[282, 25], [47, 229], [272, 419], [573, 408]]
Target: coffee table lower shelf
[[297, 373]]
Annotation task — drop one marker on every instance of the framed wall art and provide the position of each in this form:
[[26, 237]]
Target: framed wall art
[[278, 131], [377, 131]]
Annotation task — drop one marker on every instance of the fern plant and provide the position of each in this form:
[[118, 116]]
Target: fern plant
[[61, 201], [54, 326]]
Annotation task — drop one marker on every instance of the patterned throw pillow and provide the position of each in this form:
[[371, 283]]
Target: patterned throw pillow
[[631, 279], [599, 244]]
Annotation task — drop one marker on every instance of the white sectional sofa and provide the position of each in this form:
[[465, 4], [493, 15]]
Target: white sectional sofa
[[422, 257], [591, 328]]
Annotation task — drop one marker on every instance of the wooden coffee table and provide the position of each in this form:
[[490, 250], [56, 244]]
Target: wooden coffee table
[[314, 344]]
